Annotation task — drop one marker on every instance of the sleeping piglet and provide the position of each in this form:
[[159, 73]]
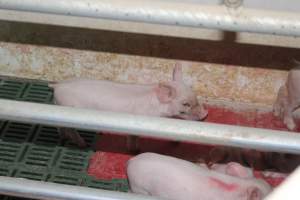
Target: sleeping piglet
[[288, 98], [165, 99], [175, 179]]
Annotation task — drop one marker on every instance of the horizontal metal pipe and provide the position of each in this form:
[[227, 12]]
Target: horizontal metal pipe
[[162, 12], [21, 187], [181, 130]]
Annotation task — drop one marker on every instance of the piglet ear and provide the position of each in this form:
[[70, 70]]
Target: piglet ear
[[177, 73], [235, 169], [165, 92], [254, 193]]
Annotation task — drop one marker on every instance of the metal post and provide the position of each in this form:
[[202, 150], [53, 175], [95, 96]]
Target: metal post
[[182, 130], [162, 12], [49, 191], [289, 189]]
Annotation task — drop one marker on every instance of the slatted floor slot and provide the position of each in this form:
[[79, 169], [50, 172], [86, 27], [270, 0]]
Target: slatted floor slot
[[10, 152], [15, 198], [40, 156], [123, 184], [2, 124], [38, 92], [47, 135], [11, 89], [75, 160], [66, 177], [33, 174], [101, 184], [17, 132], [5, 170]]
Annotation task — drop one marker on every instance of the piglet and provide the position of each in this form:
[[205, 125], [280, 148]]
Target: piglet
[[272, 178], [288, 98], [165, 99], [283, 162], [247, 157], [280, 162], [175, 179]]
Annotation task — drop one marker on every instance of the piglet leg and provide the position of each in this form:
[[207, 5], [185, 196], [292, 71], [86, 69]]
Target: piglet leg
[[73, 135], [132, 144], [288, 119], [284, 107], [278, 107]]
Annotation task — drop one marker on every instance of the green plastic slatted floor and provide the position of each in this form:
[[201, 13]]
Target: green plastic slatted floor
[[36, 152]]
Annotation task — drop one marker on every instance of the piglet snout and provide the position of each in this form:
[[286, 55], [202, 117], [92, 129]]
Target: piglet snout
[[198, 113]]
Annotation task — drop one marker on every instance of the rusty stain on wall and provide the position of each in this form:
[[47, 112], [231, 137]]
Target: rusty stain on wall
[[233, 83]]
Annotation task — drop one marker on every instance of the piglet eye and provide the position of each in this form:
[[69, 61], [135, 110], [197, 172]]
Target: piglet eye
[[186, 104]]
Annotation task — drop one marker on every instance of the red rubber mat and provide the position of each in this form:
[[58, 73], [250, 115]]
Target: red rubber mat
[[106, 165]]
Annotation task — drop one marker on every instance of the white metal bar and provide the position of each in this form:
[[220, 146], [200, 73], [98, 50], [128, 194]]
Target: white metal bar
[[182, 130], [175, 13], [145, 28], [52, 191]]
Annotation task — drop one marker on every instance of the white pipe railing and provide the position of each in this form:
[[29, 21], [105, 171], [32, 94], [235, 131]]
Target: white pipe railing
[[168, 13], [21, 187], [181, 130]]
